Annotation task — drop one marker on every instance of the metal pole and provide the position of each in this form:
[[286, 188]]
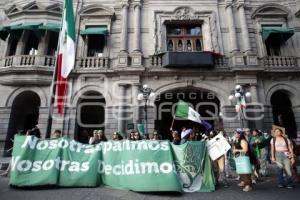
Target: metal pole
[[53, 85], [54, 78], [241, 118], [146, 124]]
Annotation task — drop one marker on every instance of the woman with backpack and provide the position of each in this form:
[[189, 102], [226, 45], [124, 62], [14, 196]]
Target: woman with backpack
[[283, 156]]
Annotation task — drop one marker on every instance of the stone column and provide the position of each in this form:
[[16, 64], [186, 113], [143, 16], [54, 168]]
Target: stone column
[[85, 49], [207, 39], [244, 28], [137, 27], [44, 43], [121, 113], [80, 47], [231, 26], [135, 103], [6, 46], [296, 110], [137, 54], [253, 90], [230, 119], [124, 33], [42, 121], [21, 43], [123, 54], [255, 99], [42, 48], [21, 47]]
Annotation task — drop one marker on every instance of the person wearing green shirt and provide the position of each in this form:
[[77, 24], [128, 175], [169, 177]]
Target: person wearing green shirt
[[257, 143]]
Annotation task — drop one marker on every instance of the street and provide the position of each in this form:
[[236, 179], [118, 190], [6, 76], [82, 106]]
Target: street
[[267, 189]]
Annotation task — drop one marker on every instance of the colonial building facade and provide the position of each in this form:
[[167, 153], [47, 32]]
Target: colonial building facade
[[194, 50]]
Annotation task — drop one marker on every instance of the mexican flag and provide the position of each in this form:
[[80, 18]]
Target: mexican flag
[[184, 111], [241, 104], [66, 55]]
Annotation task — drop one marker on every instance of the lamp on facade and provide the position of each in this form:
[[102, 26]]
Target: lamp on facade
[[248, 94], [231, 97], [239, 97], [145, 94]]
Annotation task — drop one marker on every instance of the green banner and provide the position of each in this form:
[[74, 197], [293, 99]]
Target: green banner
[[131, 165]]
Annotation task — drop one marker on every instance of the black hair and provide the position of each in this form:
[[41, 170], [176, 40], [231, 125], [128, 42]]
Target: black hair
[[57, 131], [257, 131]]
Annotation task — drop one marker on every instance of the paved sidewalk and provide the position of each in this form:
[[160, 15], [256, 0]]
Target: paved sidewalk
[[262, 191], [4, 161]]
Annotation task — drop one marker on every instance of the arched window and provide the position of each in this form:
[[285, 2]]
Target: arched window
[[24, 115], [283, 114], [198, 45], [189, 46], [180, 45], [90, 115], [170, 45]]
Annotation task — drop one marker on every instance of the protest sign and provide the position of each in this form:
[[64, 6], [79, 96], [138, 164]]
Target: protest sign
[[217, 146]]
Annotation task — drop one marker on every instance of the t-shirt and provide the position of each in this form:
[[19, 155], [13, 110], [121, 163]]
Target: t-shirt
[[280, 145]]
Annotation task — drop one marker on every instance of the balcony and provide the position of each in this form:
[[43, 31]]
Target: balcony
[[92, 63], [190, 59], [219, 62], [27, 60], [279, 63], [20, 70]]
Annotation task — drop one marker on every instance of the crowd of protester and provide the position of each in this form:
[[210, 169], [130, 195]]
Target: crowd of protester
[[263, 149]]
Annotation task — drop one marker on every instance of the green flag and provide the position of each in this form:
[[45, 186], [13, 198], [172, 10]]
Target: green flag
[[141, 129], [184, 111]]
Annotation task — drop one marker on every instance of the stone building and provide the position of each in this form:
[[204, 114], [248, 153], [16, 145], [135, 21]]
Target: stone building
[[195, 50]]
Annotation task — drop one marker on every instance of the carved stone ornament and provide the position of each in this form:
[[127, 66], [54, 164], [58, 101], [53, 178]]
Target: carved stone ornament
[[185, 13]]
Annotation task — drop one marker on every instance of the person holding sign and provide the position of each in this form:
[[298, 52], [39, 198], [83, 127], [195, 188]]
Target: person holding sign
[[219, 163], [241, 148]]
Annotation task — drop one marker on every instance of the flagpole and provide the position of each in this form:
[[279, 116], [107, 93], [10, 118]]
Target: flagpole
[[66, 132], [53, 85], [52, 98], [172, 123]]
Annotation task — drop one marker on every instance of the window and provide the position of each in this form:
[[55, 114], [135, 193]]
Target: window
[[184, 37], [13, 46], [95, 39], [53, 40], [273, 46], [96, 45], [32, 44], [275, 37]]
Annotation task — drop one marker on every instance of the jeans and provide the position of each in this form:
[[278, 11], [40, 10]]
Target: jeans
[[263, 162], [284, 165]]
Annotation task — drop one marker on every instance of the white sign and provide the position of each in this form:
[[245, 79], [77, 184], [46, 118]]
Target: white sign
[[217, 147]]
